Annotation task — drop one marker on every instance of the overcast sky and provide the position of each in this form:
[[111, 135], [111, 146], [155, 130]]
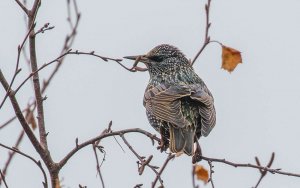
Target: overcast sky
[[257, 105]]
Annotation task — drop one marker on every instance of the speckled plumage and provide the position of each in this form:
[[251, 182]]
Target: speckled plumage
[[178, 103]]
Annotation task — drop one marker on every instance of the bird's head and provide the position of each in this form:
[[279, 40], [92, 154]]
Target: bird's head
[[163, 58]]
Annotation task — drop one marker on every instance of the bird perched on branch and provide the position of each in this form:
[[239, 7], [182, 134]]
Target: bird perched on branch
[[178, 104]]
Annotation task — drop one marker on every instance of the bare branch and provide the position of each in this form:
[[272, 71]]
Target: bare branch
[[23, 7], [101, 136], [170, 156], [210, 175], [38, 163], [36, 85], [17, 70], [2, 176], [69, 39], [20, 116], [9, 121], [206, 36], [58, 59], [142, 162], [45, 27], [95, 146], [11, 154], [264, 172], [248, 165]]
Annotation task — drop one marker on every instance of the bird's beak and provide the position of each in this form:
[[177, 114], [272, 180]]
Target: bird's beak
[[138, 58]]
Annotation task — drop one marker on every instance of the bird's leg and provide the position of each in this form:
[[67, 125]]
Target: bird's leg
[[163, 144], [198, 153]]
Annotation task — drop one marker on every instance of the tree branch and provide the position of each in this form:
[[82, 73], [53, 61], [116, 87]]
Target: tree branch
[[263, 173], [249, 165], [17, 70], [36, 79], [20, 116], [210, 175], [2, 176], [206, 36], [170, 156], [38, 163], [142, 162], [95, 147], [101, 136], [23, 7], [11, 154]]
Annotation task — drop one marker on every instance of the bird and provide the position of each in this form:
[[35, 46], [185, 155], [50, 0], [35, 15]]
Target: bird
[[178, 103]]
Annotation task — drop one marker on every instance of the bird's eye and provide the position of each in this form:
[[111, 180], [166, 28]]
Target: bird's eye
[[156, 58]]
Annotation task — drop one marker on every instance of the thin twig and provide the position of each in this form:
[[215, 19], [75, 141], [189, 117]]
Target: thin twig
[[17, 70], [69, 52], [69, 40], [210, 175], [20, 115], [36, 78], [249, 165], [2, 176], [263, 173], [142, 160], [23, 7], [101, 136], [45, 27], [97, 164], [12, 153], [170, 156], [38, 163], [206, 36]]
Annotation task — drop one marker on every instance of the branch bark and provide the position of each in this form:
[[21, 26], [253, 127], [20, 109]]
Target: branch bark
[[35, 78]]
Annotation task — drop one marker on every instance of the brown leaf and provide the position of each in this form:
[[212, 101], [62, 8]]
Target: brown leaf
[[201, 173], [30, 119], [230, 58]]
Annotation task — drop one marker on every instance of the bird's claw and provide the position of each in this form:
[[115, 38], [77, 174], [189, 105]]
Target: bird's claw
[[198, 154]]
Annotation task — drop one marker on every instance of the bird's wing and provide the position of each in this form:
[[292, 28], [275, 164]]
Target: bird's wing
[[206, 108], [163, 102]]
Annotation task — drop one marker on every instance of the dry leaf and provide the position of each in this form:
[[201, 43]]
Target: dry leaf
[[201, 173], [30, 119], [230, 58]]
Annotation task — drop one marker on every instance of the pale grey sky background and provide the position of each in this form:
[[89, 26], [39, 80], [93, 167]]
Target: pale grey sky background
[[257, 105]]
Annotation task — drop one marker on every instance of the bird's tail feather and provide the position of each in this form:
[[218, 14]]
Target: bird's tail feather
[[181, 140]]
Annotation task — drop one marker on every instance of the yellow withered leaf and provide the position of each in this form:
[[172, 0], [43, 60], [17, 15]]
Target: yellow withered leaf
[[230, 58], [201, 173]]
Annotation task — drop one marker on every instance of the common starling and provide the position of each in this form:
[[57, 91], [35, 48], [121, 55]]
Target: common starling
[[178, 104]]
